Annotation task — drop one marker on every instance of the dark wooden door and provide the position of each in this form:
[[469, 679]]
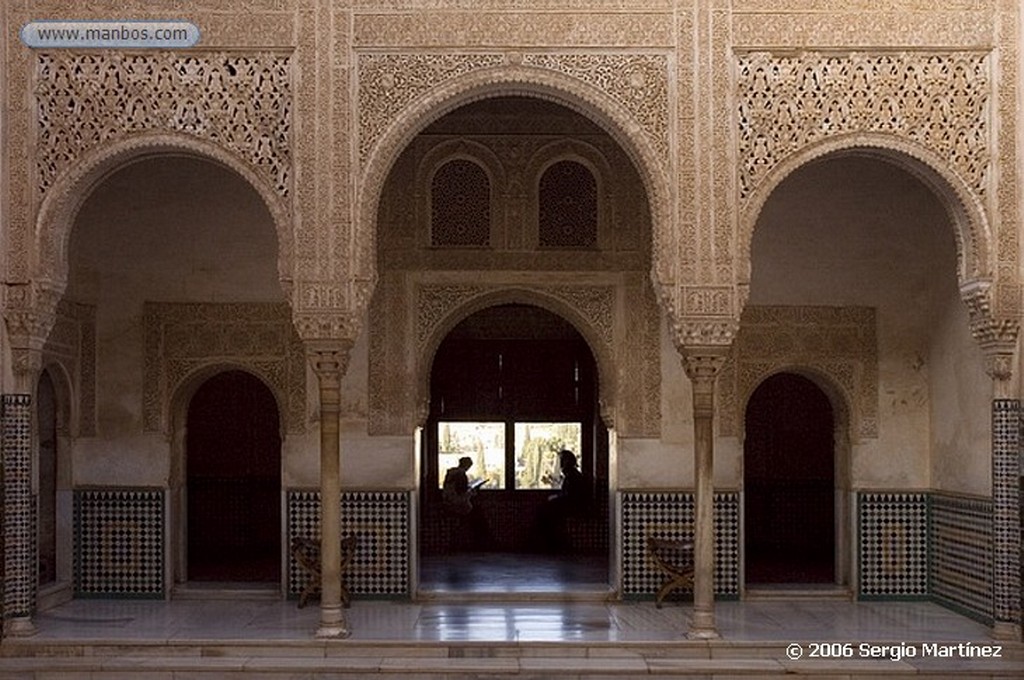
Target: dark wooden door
[[789, 483], [234, 481]]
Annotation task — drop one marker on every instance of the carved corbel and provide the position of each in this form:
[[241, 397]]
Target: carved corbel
[[997, 336]]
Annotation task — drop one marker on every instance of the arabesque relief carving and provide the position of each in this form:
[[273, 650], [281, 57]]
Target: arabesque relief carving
[[836, 343], [939, 100], [388, 83], [240, 101], [183, 338]]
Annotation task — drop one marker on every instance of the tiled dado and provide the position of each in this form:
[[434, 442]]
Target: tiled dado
[[119, 542], [380, 522], [893, 542], [670, 515], [927, 545], [960, 563]]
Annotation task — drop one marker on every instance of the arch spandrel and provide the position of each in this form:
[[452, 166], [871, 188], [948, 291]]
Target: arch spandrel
[[498, 76]]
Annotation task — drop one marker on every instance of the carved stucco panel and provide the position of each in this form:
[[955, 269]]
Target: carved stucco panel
[[937, 100], [835, 343], [183, 338], [388, 83], [239, 101]]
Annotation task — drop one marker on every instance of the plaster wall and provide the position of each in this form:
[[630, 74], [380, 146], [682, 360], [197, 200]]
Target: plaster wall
[[167, 229], [858, 231]]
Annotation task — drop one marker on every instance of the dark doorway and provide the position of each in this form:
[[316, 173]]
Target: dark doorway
[[789, 483], [234, 481], [510, 387], [46, 422]]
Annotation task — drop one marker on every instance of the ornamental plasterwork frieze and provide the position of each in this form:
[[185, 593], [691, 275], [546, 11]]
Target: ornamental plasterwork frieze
[[388, 83], [842, 23], [488, 26], [937, 100], [184, 339], [837, 344], [240, 101], [72, 344]]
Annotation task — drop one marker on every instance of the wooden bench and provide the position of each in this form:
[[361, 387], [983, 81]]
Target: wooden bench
[[675, 560], [306, 552]]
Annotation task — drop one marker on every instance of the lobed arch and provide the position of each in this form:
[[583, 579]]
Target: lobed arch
[[63, 200], [607, 382], [514, 80], [971, 228]]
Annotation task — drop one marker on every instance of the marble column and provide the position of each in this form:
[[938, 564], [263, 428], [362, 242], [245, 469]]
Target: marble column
[[702, 367], [330, 365], [19, 516]]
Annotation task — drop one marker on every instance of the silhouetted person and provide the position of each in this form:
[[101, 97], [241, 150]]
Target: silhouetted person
[[456, 496], [569, 501]]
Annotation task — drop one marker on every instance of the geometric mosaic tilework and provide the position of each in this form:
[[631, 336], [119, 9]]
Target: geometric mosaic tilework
[[380, 522], [960, 553], [1006, 539], [893, 544], [19, 524], [119, 542], [670, 515]]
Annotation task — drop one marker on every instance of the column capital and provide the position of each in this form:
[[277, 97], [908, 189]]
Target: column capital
[[703, 364], [329, 359]]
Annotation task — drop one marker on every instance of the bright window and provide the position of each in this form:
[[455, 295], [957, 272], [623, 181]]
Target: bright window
[[536, 452], [483, 442]]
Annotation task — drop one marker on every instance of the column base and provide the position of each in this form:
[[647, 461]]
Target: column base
[[703, 627], [1004, 630], [332, 624], [20, 627]]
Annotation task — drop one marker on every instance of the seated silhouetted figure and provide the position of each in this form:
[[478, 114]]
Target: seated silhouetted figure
[[570, 501]]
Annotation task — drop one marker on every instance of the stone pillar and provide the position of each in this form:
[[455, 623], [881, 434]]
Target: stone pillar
[[330, 364], [19, 525], [702, 367]]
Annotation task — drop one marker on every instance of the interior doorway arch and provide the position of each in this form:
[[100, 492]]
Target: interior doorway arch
[[233, 481], [511, 386], [792, 502]]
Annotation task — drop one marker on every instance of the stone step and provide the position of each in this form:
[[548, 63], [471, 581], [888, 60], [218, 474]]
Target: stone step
[[270, 660]]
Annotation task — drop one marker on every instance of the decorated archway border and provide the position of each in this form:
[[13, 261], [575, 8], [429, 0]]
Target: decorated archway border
[[836, 343], [402, 348]]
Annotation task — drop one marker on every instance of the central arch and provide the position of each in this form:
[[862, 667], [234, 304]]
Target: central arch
[[514, 80]]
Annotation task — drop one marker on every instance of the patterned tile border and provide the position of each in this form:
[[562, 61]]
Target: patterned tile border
[[380, 521], [119, 543], [1006, 539], [670, 515]]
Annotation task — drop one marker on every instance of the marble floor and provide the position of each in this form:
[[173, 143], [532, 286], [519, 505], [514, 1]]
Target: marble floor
[[380, 621]]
